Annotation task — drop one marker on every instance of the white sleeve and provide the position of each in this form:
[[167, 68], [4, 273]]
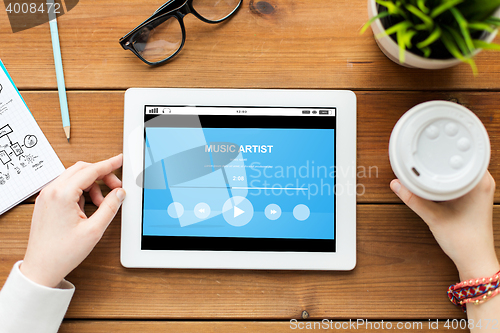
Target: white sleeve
[[26, 306]]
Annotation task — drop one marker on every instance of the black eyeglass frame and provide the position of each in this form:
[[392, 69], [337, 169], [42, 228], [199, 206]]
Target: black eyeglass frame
[[164, 13]]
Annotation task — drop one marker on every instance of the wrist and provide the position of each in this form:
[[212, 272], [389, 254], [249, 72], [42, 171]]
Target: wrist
[[38, 277], [478, 270]]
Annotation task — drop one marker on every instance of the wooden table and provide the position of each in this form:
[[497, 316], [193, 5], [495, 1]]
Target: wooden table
[[401, 275]]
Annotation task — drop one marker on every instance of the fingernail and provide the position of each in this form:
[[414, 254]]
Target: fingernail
[[395, 186], [120, 194]]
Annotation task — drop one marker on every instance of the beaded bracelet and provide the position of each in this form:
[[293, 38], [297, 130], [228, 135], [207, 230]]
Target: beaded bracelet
[[483, 298], [474, 291]]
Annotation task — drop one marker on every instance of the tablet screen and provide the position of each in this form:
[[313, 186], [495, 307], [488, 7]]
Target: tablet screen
[[239, 179]]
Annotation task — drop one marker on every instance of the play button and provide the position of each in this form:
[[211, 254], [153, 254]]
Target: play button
[[237, 211]]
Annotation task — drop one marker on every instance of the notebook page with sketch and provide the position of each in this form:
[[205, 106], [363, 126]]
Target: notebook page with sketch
[[27, 161]]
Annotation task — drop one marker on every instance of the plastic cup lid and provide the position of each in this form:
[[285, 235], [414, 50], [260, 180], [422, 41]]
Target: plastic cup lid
[[439, 150]]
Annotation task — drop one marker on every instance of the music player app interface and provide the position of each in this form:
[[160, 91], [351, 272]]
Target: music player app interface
[[250, 182]]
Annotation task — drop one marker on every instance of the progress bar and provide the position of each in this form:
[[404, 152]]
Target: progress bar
[[246, 188], [270, 188]]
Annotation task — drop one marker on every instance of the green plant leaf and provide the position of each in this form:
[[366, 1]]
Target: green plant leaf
[[427, 51], [450, 21], [493, 21], [481, 44], [478, 10], [452, 48], [434, 36], [459, 40], [473, 66], [462, 23], [444, 7], [422, 7], [429, 23], [480, 26], [373, 19], [392, 8], [401, 45], [394, 29], [407, 36], [421, 27]]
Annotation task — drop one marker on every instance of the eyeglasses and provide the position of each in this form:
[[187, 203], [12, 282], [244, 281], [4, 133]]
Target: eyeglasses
[[162, 36]]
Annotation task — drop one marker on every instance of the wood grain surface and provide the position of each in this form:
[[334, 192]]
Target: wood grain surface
[[97, 130], [401, 273], [292, 44], [250, 326]]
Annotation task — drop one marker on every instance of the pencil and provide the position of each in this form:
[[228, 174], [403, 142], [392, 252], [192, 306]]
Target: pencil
[[56, 49]]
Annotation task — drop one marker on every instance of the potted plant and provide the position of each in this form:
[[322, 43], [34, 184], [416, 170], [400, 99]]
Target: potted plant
[[434, 34]]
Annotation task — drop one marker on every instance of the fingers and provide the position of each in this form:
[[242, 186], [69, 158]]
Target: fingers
[[486, 185], [77, 167], [492, 180], [86, 176], [484, 192], [96, 194], [492, 183], [108, 209], [81, 203], [82, 176], [424, 208], [112, 181], [70, 172]]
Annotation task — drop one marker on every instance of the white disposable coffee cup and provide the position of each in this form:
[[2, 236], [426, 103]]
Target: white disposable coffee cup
[[439, 150]]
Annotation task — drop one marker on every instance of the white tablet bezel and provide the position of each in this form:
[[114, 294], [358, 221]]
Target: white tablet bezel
[[133, 154]]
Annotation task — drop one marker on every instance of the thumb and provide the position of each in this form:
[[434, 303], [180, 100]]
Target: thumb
[[424, 208], [108, 208]]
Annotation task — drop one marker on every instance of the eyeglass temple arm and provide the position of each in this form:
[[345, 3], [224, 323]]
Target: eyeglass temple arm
[[163, 6]]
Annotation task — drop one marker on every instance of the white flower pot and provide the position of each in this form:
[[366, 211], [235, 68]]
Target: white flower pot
[[391, 49]]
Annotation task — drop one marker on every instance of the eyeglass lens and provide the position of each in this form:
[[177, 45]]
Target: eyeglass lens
[[214, 10], [161, 38]]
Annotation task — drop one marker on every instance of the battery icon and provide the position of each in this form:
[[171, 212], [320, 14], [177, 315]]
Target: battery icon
[[306, 112], [324, 112]]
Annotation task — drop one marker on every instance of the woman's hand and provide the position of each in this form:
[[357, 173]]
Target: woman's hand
[[62, 236], [463, 227]]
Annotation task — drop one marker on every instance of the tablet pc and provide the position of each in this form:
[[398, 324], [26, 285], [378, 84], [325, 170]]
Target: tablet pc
[[239, 179]]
